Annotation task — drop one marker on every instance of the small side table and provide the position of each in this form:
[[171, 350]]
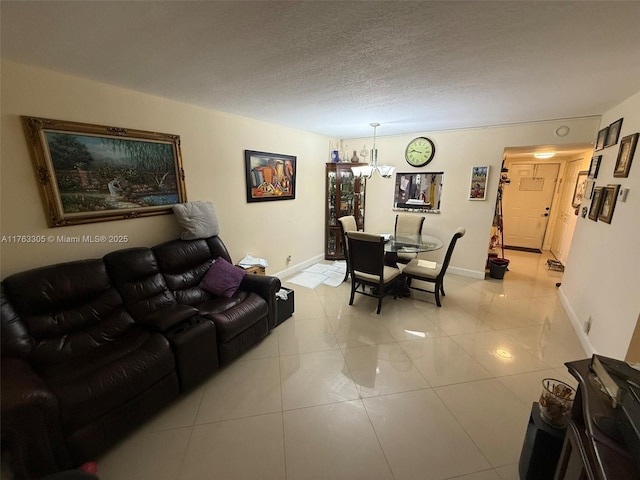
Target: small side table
[[255, 270], [541, 448]]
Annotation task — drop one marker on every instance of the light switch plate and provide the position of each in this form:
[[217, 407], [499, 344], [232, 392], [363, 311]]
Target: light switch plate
[[622, 194]]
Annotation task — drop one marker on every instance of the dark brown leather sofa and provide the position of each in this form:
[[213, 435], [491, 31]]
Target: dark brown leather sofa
[[93, 348]]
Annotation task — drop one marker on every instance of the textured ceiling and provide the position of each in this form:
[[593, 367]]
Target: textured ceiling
[[334, 67]]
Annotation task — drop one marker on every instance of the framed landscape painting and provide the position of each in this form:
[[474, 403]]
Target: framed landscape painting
[[93, 173], [270, 176]]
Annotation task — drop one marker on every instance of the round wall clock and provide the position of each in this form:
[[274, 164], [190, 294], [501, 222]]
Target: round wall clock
[[420, 152]]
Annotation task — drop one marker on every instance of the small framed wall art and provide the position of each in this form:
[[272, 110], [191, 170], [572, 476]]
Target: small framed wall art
[[614, 133], [588, 189], [478, 186], [595, 166], [625, 155], [602, 137], [579, 189], [609, 197], [596, 203]]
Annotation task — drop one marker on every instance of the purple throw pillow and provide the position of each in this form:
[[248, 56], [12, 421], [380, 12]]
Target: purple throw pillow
[[222, 279]]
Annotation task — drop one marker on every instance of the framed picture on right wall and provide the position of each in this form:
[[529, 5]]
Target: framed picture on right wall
[[609, 197], [625, 155], [596, 203]]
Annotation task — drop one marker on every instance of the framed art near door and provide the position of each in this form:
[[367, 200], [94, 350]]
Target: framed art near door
[[625, 155], [478, 186], [594, 166], [579, 189], [596, 203], [609, 197]]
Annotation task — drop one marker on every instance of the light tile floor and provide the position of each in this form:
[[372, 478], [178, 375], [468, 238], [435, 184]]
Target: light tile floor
[[338, 392]]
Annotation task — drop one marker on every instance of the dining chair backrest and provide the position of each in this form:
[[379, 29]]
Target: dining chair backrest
[[414, 270], [348, 224], [366, 254], [410, 224], [459, 233]]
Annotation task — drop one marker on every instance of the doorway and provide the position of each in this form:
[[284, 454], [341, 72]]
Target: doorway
[[527, 203], [545, 224]]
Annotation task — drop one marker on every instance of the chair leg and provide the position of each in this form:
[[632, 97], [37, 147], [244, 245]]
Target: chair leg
[[353, 291], [442, 289], [379, 305], [437, 292]]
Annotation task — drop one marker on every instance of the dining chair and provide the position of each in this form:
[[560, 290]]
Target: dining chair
[[367, 268], [347, 224], [415, 270], [405, 224]]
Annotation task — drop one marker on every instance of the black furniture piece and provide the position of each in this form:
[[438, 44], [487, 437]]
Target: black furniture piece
[[367, 268], [413, 270], [347, 224], [591, 450], [284, 307], [541, 448], [405, 225], [93, 348]]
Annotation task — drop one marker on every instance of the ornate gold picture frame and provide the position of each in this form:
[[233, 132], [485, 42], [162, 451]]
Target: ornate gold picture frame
[[94, 173]]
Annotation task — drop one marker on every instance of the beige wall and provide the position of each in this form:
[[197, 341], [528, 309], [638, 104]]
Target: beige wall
[[456, 152], [213, 145], [601, 276], [212, 150], [603, 269]]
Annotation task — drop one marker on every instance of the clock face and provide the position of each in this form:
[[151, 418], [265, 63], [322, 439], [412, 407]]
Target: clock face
[[420, 152]]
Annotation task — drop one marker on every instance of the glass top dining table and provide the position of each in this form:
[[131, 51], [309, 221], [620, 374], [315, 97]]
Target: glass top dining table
[[412, 243]]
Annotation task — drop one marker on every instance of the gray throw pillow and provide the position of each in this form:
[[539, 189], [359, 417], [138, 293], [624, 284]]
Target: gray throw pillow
[[198, 219]]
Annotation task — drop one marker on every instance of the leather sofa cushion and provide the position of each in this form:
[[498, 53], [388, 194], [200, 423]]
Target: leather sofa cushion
[[68, 309], [235, 315], [183, 265], [90, 385], [136, 275], [16, 341]]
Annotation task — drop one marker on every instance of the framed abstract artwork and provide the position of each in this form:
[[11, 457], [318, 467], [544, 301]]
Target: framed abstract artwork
[[270, 176]]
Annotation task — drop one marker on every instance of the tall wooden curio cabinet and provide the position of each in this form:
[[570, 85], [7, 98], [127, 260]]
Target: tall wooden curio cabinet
[[344, 196]]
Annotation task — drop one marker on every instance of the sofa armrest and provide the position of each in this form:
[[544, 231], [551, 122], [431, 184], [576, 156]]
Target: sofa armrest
[[163, 319], [30, 422], [266, 286]]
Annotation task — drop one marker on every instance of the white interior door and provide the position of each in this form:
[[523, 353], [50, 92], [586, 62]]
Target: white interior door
[[565, 223], [526, 203]]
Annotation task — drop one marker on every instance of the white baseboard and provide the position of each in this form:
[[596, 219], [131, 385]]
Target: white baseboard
[[298, 267], [577, 326], [465, 272]]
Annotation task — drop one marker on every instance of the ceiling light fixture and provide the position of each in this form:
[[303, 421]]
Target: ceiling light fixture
[[544, 154], [385, 171]]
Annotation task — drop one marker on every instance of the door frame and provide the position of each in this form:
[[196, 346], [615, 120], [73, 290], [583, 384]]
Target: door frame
[[551, 222]]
